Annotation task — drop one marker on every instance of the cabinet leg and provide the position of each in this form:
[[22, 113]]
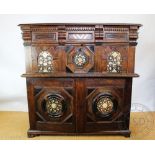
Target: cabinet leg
[[30, 135], [127, 135]]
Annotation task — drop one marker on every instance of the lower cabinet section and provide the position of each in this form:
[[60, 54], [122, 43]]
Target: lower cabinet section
[[72, 106]]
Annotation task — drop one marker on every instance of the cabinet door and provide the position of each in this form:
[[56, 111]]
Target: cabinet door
[[51, 105], [103, 105]]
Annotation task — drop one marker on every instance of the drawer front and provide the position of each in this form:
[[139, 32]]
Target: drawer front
[[44, 37], [80, 36], [116, 37], [116, 34]]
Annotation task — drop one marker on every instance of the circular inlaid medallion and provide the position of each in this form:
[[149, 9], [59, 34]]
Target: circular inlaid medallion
[[104, 105], [54, 105], [80, 59]]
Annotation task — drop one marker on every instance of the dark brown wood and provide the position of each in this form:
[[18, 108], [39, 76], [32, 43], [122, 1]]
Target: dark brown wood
[[79, 77], [69, 75]]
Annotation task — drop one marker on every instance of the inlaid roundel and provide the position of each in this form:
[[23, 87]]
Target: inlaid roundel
[[104, 104], [54, 104], [80, 59]]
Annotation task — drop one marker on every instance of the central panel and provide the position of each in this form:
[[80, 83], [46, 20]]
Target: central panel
[[80, 59]]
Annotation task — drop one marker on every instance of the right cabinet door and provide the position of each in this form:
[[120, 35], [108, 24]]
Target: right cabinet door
[[107, 105]]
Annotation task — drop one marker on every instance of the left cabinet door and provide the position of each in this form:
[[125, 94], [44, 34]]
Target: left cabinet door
[[51, 105]]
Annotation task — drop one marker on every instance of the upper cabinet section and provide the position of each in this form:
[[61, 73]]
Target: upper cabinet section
[[79, 33]]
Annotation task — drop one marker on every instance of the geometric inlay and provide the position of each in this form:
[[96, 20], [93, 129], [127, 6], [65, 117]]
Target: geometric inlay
[[45, 62], [80, 36], [54, 105], [114, 62], [104, 105], [80, 58]]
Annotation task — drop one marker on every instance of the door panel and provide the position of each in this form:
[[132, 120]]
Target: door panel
[[104, 104], [54, 104]]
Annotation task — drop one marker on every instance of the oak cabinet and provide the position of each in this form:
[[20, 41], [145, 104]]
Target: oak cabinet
[[79, 77]]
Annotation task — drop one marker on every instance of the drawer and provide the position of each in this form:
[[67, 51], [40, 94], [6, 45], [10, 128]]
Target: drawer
[[45, 37], [116, 34], [80, 36], [116, 37]]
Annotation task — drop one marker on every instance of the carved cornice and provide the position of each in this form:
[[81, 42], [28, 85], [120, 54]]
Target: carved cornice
[[133, 32], [115, 29], [101, 33], [61, 34], [26, 35], [80, 28], [44, 29]]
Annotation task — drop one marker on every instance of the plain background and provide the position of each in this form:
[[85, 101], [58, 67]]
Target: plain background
[[12, 58], [80, 7]]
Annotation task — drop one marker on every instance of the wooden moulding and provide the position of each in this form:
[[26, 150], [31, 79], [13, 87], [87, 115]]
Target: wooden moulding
[[62, 33], [82, 75]]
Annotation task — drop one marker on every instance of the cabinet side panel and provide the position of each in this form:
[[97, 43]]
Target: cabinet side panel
[[131, 59], [28, 58], [128, 92], [31, 103]]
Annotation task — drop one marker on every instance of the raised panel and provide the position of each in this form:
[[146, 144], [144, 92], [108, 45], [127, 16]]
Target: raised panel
[[111, 53], [80, 59], [44, 37], [54, 105], [83, 36], [106, 115], [57, 61], [116, 37], [116, 34]]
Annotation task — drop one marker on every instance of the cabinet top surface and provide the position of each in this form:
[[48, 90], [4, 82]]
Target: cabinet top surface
[[108, 24]]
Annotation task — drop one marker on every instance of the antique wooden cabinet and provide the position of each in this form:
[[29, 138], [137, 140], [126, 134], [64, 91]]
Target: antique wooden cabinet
[[79, 77]]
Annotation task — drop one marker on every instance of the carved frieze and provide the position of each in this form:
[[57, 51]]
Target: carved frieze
[[68, 33], [80, 36]]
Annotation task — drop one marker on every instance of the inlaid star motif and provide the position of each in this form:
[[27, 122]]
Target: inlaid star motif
[[105, 105]]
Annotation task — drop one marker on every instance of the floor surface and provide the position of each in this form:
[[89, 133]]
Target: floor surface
[[14, 126]]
